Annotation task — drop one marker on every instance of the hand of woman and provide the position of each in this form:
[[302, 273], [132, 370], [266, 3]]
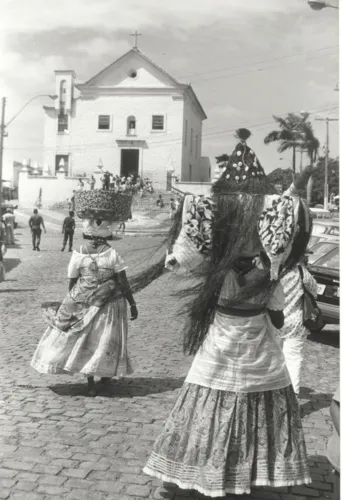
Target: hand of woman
[[134, 312]]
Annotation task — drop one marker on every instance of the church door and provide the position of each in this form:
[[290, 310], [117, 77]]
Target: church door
[[129, 162]]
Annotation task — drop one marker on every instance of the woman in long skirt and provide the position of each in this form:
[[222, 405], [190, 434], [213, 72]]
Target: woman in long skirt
[[87, 332], [236, 422]]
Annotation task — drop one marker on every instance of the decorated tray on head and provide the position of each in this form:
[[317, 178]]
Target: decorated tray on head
[[107, 205]]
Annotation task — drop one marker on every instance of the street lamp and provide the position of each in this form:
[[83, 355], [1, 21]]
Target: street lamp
[[3, 132], [317, 5]]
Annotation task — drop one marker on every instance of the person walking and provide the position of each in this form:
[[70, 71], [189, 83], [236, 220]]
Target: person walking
[[160, 202], [172, 208], [294, 333], [88, 331], [68, 230], [71, 204], [8, 219], [91, 182], [35, 223], [236, 422]]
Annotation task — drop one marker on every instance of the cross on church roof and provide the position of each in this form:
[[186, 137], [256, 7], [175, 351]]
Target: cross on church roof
[[136, 34]]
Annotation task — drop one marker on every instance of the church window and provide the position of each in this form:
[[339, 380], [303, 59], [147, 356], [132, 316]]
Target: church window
[[104, 122], [62, 122], [191, 140], [196, 146], [186, 132], [131, 125], [62, 162], [157, 122]]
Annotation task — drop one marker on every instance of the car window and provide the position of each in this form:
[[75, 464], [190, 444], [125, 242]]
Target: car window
[[318, 229], [320, 250], [334, 231], [330, 260]]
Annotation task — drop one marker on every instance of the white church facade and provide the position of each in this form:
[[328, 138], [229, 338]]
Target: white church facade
[[131, 118]]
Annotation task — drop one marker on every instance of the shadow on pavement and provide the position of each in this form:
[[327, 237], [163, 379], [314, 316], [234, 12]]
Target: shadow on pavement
[[315, 401], [122, 388], [11, 290], [11, 264], [330, 338]]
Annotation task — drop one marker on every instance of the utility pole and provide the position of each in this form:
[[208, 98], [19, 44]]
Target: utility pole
[[326, 180], [2, 135]]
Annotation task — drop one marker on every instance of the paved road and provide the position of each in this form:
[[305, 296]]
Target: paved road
[[57, 443]]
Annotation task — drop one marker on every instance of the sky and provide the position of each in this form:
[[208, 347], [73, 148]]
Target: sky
[[247, 60]]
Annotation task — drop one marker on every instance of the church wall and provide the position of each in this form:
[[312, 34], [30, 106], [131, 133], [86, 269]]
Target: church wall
[[191, 154], [86, 145]]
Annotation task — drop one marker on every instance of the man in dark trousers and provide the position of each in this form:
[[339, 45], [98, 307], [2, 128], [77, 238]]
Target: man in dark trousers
[[68, 229], [35, 223]]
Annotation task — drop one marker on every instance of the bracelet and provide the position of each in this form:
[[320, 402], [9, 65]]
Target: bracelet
[[133, 304]]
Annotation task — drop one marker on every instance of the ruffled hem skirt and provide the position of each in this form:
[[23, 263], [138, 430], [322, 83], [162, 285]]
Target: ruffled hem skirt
[[219, 442], [98, 349]]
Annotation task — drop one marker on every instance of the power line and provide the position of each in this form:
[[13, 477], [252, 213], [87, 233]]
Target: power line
[[258, 62], [255, 70]]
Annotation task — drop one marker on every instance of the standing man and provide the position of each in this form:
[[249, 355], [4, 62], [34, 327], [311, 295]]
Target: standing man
[[91, 182], [72, 202], [9, 225], [35, 223], [68, 229]]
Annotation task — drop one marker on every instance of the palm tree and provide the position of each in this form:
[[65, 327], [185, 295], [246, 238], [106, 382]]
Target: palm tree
[[311, 145], [296, 132], [289, 136]]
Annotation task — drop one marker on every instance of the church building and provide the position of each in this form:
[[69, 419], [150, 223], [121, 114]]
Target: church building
[[131, 118]]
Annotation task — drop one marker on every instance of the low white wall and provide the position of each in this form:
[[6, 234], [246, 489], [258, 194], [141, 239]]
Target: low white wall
[[55, 189], [196, 188]]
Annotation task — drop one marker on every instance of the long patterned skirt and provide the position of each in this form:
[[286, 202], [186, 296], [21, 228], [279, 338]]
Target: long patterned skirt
[[97, 348], [219, 442]]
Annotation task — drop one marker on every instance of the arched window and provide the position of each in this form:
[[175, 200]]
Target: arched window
[[131, 125]]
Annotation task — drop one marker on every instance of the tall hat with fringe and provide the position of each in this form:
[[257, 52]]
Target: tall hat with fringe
[[242, 171]]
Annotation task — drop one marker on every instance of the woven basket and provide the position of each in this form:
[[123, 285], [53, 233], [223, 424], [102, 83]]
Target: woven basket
[[106, 205]]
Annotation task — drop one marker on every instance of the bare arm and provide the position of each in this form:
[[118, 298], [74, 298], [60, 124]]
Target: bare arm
[[72, 283]]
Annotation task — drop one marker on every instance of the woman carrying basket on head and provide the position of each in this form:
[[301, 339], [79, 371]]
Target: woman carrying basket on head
[[87, 333]]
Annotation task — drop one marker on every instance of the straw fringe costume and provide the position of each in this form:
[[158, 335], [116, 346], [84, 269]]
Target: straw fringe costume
[[236, 422]]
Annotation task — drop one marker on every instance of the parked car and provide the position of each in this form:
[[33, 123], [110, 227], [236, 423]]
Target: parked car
[[321, 213], [4, 207], [325, 237], [324, 266], [325, 227]]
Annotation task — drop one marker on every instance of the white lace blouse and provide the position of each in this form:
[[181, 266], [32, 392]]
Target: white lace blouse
[[109, 259]]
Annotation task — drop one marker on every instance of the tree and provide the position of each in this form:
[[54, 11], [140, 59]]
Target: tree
[[319, 178], [281, 176], [295, 132]]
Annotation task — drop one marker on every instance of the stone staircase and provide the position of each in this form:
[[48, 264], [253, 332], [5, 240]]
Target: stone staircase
[[148, 202]]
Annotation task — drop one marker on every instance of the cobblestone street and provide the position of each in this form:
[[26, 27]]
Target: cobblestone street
[[58, 443]]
